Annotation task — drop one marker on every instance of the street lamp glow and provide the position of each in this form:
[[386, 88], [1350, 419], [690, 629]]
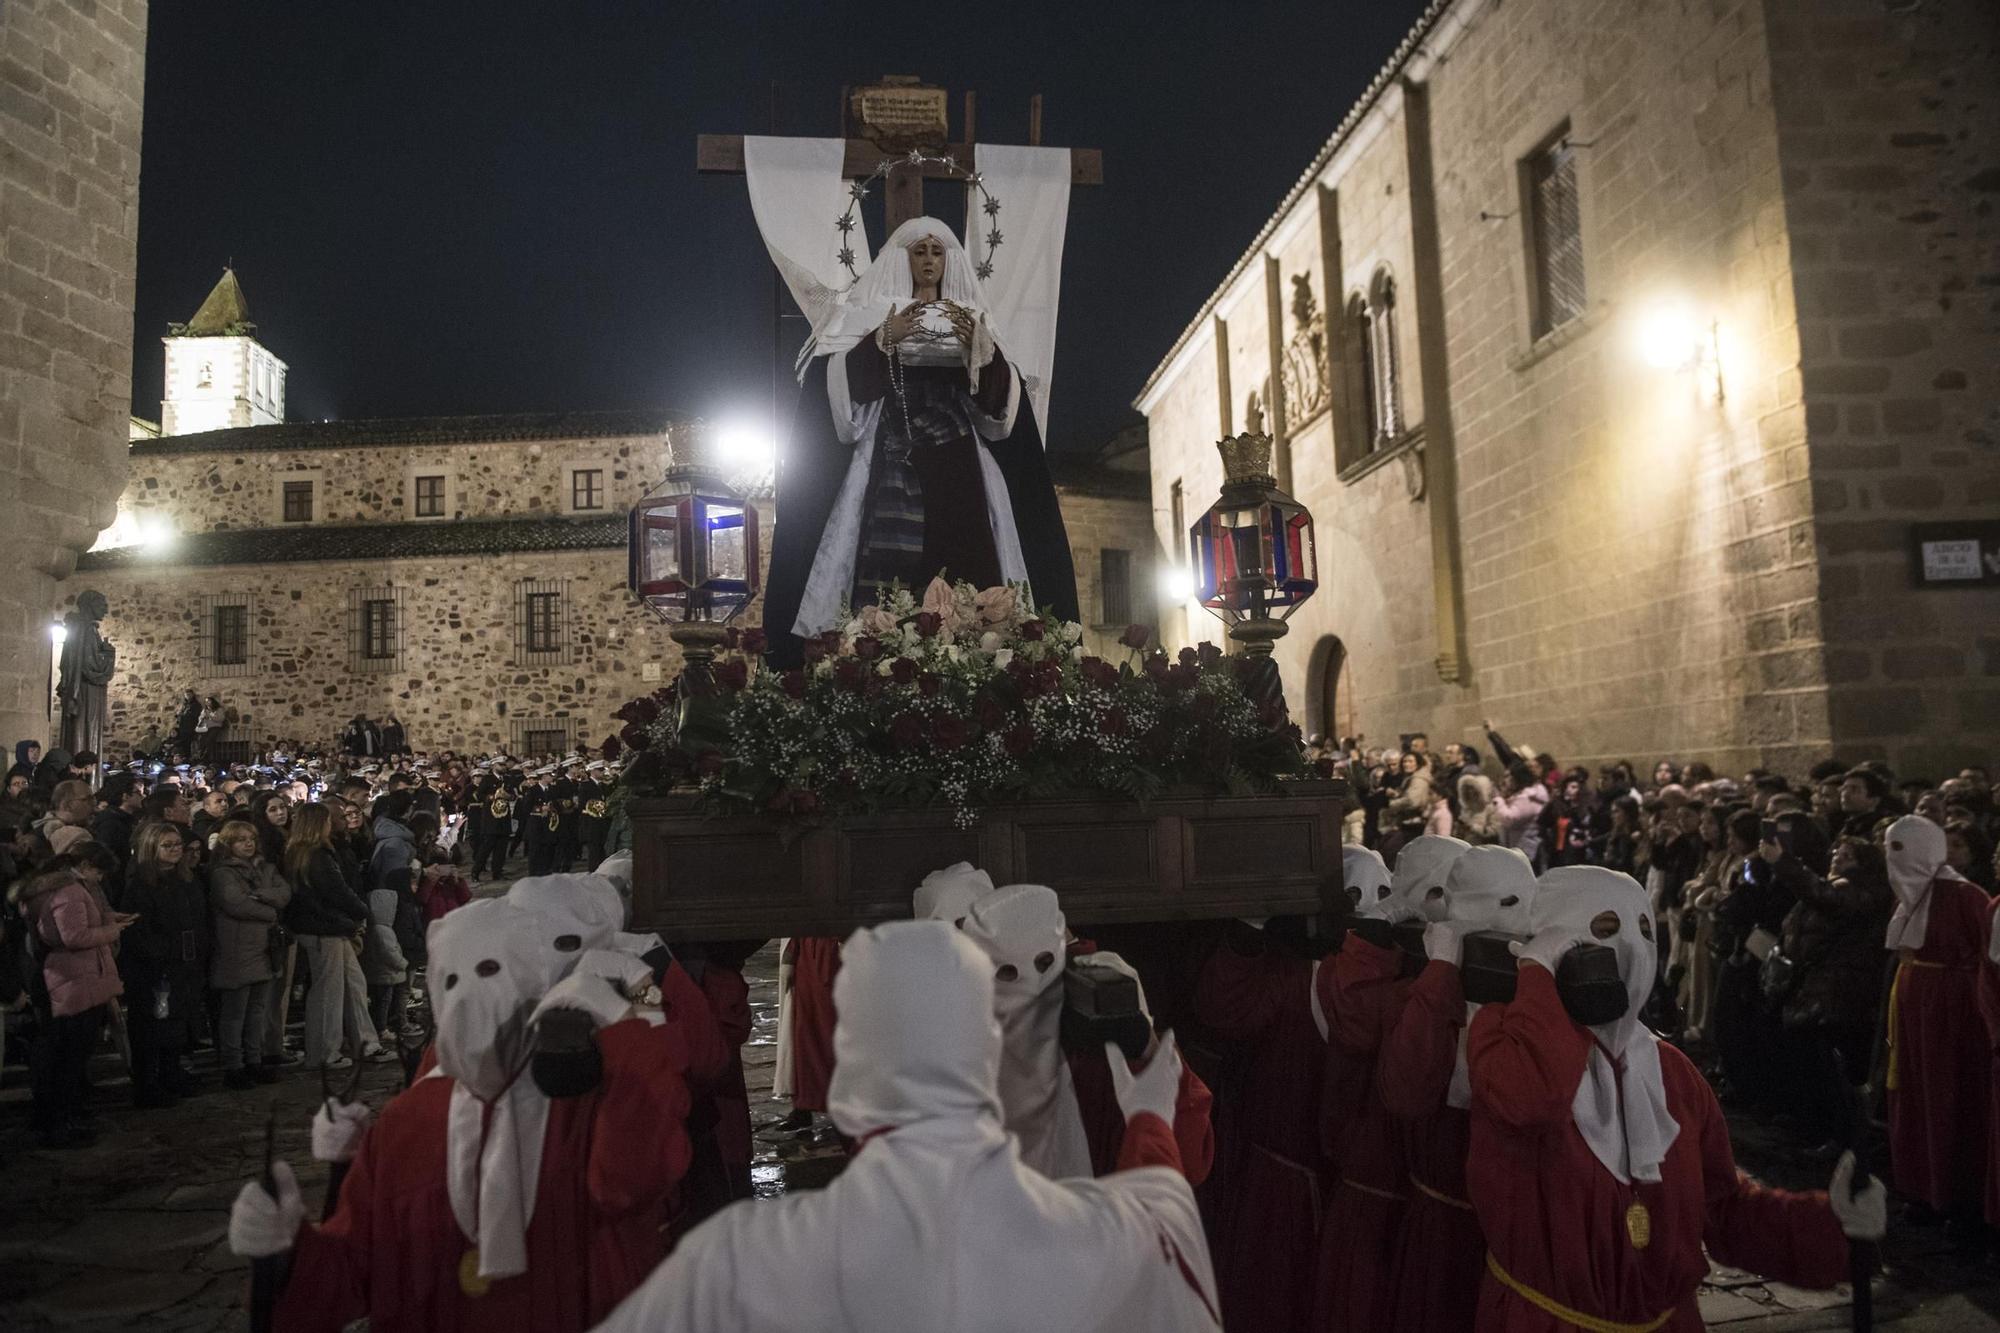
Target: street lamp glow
[[745, 447], [58, 634], [156, 531], [1669, 337], [1177, 583]]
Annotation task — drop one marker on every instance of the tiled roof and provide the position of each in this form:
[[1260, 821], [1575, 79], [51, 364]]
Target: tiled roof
[[364, 434], [369, 541], [1091, 478]]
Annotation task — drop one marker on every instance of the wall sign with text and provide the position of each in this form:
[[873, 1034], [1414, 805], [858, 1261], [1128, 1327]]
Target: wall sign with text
[[1956, 555]]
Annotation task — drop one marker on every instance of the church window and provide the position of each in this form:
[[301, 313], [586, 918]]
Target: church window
[[1114, 570], [586, 488], [204, 375], [298, 502], [1385, 399], [541, 623], [430, 497], [1555, 234], [375, 630]]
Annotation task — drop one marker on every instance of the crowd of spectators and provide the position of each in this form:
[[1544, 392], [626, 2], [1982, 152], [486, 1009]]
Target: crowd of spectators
[[1773, 889]]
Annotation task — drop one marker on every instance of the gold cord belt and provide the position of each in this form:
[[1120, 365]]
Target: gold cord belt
[[1439, 1195], [1548, 1305], [1371, 1190]]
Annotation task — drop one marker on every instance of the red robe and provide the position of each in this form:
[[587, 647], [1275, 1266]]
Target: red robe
[[1939, 1060], [1361, 990], [610, 1162], [1270, 1232], [1989, 1011], [728, 998], [1559, 1224], [1442, 1252], [815, 963], [1104, 1124]]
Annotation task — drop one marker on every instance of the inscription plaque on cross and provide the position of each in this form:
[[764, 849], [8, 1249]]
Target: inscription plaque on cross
[[891, 140]]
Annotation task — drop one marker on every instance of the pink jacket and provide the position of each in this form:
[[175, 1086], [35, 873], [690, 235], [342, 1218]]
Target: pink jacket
[[79, 968]]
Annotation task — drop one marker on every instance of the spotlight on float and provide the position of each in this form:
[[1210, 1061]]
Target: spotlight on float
[[1254, 559]]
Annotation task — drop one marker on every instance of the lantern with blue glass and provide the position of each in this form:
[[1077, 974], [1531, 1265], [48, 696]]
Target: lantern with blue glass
[[1253, 558], [693, 550]]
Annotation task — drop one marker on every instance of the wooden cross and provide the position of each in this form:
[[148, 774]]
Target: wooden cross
[[904, 197]]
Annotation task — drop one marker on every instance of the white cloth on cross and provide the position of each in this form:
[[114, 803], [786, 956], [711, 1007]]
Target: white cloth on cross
[[1031, 185], [798, 196]]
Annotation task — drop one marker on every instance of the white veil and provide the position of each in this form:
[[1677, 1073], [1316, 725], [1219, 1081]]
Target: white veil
[[860, 310]]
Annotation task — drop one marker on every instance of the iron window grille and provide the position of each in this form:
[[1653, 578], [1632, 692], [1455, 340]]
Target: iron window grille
[[1114, 572], [226, 647], [541, 623], [375, 630], [534, 737], [1556, 235]]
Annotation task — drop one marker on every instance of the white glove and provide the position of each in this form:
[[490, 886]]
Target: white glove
[[337, 1137], [592, 994], [1111, 962], [626, 970], [1548, 946], [1863, 1214], [1157, 1088], [1444, 942], [261, 1226]]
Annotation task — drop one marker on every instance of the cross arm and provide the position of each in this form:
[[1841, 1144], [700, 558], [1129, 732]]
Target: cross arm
[[724, 153]]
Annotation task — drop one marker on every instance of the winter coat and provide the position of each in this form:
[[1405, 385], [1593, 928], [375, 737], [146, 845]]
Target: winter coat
[[114, 828], [382, 960], [65, 838], [1833, 935], [1757, 899], [75, 935], [395, 849], [1478, 819], [246, 899], [1520, 816], [169, 944], [1414, 800], [322, 901]]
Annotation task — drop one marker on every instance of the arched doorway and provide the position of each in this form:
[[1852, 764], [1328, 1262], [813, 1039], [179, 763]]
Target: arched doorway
[[1332, 699]]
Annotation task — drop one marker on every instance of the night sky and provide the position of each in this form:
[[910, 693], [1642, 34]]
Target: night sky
[[457, 208]]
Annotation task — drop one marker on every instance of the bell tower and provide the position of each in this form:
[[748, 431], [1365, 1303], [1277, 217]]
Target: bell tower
[[218, 374]]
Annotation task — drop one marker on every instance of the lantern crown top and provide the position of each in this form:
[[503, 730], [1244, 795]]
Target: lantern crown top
[[694, 446], [1246, 458]]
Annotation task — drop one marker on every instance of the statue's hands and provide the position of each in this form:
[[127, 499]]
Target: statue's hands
[[900, 324], [962, 321]]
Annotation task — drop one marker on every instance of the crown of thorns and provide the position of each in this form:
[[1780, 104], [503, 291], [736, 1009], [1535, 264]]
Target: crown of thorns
[[916, 157]]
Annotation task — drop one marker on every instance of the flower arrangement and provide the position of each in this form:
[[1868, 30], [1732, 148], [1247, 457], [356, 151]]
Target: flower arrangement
[[965, 697]]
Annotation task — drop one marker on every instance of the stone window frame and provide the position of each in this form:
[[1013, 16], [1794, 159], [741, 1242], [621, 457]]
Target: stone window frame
[[566, 502], [316, 477], [209, 637], [521, 728], [414, 471], [532, 649], [360, 661], [1118, 612], [1549, 120]]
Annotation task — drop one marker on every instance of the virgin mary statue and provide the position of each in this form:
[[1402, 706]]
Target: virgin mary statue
[[915, 452]]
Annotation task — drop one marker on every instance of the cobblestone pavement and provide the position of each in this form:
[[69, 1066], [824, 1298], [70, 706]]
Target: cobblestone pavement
[[129, 1234]]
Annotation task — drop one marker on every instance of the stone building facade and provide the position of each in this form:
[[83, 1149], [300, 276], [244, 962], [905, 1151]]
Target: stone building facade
[[1619, 352], [72, 79]]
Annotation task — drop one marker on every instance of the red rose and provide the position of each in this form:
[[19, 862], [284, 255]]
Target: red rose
[[733, 675], [1155, 666], [1181, 676], [814, 650], [732, 638], [1048, 677], [830, 641], [1019, 739], [755, 641], [1188, 657], [1136, 636], [950, 731], [907, 731], [849, 674], [868, 647], [634, 737], [643, 711], [1031, 631], [794, 683], [1113, 722], [902, 671], [708, 763], [929, 623], [1098, 672], [929, 683], [612, 749], [1208, 653]]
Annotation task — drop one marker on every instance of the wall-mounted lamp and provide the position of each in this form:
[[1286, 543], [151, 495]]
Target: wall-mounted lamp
[[58, 634], [1176, 583], [1670, 336]]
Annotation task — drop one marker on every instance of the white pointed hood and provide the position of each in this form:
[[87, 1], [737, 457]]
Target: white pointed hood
[[1367, 880], [948, 894], [1418, 884], [1916, 852], [1488, 888]]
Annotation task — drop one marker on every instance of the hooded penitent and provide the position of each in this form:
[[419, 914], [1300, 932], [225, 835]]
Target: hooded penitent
[[1418, 884], [1022, 932], [1487, 888], [1621, 1106], [948, 894], [935, 1223], [1916, 852], [1367, 880]]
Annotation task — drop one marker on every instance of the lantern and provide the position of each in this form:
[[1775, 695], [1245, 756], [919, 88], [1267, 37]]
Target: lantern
[[1253, 556], [693, 545]]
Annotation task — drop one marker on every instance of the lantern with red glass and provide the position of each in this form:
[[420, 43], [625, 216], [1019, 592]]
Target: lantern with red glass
[[1253, 557]]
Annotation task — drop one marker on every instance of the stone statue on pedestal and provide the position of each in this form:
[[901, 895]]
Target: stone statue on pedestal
[[87, 663]]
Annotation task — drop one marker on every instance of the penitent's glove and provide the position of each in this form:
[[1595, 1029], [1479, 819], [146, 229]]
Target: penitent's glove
[[261, 1226], [1863, 1213], [590, 993], [1548, 946], [1155, 1088], [1111, 962], [336, 1133], [623, 968], [1444, 942]]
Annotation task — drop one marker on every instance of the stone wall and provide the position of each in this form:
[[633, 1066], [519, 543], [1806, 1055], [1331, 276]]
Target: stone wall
[[1889, 135], [1097, 522], [71, 84]]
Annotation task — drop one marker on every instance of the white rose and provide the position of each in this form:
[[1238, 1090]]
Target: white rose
[[1076, 653], [989, 642], [955, 653], [1002, 658]]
